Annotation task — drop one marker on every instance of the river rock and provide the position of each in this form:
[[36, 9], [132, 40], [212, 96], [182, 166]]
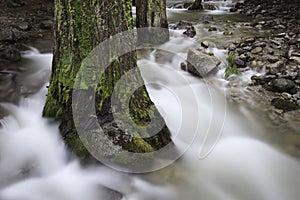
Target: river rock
[[239, 63], [227, 33], [282, 85], [190, 31], [205, 44], [256, 50], [182, 24], [200, 64]]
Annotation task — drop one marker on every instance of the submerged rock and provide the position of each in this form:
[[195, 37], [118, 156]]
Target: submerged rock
[[201, 64]]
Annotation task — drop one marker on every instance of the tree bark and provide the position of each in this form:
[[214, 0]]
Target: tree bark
[[196, 5], [151, 14], [79, 27]]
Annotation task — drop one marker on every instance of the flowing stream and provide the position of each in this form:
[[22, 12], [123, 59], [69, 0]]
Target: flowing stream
[[226, 158]]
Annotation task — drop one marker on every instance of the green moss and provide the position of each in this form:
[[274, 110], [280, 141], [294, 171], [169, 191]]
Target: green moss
[[231, 67], [75, 144]]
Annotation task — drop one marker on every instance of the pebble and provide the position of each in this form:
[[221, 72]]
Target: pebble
[[205, 44], [256, 50]]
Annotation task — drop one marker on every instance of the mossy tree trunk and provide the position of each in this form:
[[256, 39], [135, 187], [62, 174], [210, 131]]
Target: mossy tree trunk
[[79, 27], [151, 14]]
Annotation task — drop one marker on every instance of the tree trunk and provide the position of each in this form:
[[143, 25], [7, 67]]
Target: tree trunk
[[196, 5], [79, 27], [151, 14]]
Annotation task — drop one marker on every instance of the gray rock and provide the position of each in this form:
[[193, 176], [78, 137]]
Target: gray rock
[[239, 63], [205, 44], [190, 31], [200, 64], [212, 28], [227, 33], [282, 85], [182, 24]]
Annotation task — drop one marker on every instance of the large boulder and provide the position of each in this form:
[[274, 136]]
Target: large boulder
[[200, 63]]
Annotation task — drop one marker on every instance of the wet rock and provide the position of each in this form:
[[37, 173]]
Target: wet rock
[[205, 44], [10, 53], [212, 28], [200, 64], [182, 25], [227, 33], [239, 63], [183, 66], [190, 31], [272, 59], [282, 85], [284, 104], [256, 50], [46, 24]]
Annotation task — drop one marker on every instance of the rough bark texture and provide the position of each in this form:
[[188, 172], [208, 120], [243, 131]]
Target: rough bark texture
[[196, 5], [79, 27], [152, 14]]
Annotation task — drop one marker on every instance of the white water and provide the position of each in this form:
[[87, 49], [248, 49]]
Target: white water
[[34, 164]]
